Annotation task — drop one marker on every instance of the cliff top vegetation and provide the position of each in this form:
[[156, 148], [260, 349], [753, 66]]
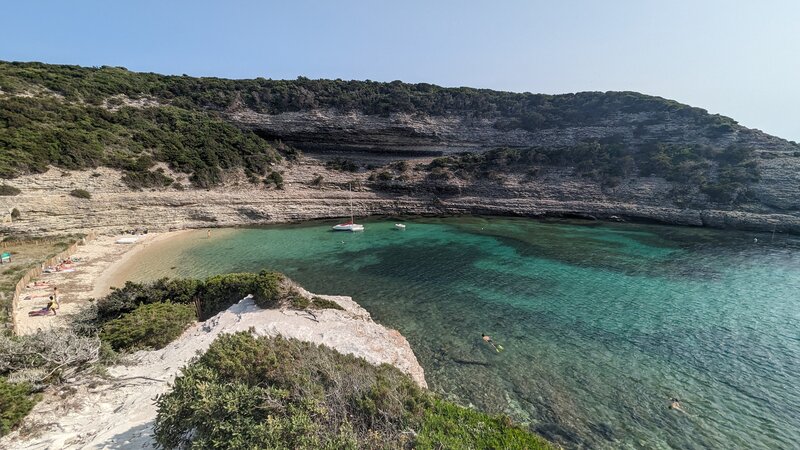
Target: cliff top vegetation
[[78, 118]]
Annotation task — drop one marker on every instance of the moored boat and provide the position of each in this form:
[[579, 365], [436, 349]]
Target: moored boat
[[350, 225]]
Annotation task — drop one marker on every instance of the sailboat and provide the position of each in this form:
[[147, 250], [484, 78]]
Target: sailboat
[[350, 225]]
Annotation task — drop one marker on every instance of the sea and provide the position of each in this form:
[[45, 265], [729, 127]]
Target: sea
[[600, 324]]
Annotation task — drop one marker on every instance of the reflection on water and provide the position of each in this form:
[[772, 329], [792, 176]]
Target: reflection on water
[[601, 323]]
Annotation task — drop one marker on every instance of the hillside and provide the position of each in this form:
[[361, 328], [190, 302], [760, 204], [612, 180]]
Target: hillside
[[466, 151]]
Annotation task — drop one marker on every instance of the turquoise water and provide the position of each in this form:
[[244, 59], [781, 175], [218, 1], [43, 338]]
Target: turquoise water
[[601, 323]]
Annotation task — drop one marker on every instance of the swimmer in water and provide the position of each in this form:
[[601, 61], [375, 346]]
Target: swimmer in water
[[488, 340], [675, 404]]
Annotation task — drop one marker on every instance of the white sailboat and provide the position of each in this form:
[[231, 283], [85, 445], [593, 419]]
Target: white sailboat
[[350, 225]]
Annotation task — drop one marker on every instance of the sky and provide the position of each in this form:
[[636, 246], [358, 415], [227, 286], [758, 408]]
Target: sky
[[736, 58]]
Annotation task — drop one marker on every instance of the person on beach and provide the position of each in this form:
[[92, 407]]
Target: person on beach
[[52, 305], [208, 234]]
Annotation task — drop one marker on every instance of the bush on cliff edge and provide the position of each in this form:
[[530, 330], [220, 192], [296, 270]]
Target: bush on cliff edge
[[148, 326], [214, 294], [292, 394], [219, 292]]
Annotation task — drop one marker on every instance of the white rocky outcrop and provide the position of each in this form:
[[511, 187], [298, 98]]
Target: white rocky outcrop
[[118, 411]]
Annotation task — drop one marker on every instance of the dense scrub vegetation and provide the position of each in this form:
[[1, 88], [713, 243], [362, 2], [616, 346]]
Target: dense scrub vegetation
[[16, 401], [288, 394], [150, 326], [212, 295], [77, 118], [36, 132], [527, 111]]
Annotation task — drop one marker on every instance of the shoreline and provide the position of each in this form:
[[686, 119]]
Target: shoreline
[[113, 208], [105, 280]]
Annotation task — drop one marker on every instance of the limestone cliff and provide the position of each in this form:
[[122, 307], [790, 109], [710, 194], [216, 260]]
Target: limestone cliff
[[65, 126], [46, 207], [331, 129]]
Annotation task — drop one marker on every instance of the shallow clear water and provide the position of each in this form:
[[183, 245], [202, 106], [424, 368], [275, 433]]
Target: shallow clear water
[[601, 323]]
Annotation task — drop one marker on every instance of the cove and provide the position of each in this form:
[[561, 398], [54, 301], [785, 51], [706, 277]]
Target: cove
[[601, 323]]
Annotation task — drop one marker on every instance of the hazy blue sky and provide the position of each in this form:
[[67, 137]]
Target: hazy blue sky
[[737, 58]]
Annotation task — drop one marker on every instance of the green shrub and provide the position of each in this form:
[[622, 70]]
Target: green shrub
[[132, 295], [289, 152], [286, 394], [8, 190], [274, 178], [249, 392], [148, 326], [80, 193], [321, 303], [447, 425], [214, 294], [317, 181], [16, 401], [15, 214], [221, 291], [297, 301], [340, 164]]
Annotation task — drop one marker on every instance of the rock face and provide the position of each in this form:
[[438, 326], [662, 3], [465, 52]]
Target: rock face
[[558, 192], [46, 207], [330, 129]]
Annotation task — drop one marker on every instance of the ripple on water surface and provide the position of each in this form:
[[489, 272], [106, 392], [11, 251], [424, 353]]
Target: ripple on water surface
[[601, 323]]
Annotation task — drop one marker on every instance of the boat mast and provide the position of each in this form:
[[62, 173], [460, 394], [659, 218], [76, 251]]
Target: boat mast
[[350, 194]]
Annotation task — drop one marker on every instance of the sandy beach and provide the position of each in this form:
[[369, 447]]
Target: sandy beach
[[96, 265]]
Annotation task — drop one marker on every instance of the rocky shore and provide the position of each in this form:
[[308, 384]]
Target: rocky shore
[[45, 206]]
